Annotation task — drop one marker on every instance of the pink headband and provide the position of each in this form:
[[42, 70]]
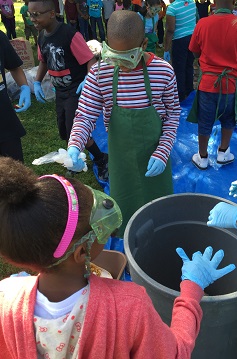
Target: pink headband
[[73, 213]]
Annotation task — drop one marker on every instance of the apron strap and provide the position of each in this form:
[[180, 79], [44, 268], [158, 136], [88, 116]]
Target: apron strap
[[225, 74], [146, 80]]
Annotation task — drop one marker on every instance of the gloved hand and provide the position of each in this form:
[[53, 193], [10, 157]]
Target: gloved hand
[[25, 100], [233, 189], [78, 163], [39, 93], [81, 85], [20, 274], [167, 56], [155, 167], [223, 215], [202, 269]]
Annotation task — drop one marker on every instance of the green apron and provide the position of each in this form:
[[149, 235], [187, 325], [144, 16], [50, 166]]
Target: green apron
[[133, 136], [152, 38], [193, 114]]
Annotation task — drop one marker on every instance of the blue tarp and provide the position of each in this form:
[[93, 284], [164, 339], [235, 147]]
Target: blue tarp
[[186, 177]]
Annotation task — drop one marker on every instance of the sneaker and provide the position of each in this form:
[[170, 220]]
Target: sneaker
[[103, 171], [199, 162], [160, 45], [223, 158]]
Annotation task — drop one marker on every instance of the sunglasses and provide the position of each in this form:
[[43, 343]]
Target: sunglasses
[[36, 14]]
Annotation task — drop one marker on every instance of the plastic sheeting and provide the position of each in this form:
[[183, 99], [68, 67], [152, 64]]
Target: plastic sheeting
[[186, 177]]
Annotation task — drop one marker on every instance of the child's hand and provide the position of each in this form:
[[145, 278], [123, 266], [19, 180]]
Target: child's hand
[[202, 269], [233, 189], [155, 167], [25, 100], [223, 215]]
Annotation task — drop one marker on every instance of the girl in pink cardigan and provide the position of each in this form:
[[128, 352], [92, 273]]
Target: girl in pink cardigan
[[55, 227]]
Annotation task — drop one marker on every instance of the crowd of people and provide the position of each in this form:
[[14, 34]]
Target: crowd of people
[[55, 226]]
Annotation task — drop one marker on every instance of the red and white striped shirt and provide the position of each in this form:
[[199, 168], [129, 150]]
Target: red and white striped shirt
[[97, 96]]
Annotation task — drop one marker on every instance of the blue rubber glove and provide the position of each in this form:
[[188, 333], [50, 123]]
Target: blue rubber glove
[[167, 56], [233, 189], [202, 269], [223, 215], [78, 163], [155, 167], [81, 86], [39, 93], [20, 274], [25, 100]]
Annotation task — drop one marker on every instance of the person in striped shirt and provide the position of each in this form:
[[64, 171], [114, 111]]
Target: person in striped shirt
[[137, 92]]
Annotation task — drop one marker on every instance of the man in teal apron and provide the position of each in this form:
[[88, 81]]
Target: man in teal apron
[[217, 92], [141, 118]]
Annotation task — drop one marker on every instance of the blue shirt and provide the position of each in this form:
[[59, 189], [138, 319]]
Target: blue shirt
[[184, 12], [95, 7], [149, 23]]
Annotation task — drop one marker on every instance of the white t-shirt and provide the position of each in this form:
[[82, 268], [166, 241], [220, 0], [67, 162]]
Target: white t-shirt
[[58, 326]]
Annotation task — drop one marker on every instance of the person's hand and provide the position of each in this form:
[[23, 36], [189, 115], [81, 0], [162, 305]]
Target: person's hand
[[223, 215], [20, 274], [155, 167], [39, 93], [167, 56], [78, 163], [81, 85], [202, 269], [233, 189], [25, 100]]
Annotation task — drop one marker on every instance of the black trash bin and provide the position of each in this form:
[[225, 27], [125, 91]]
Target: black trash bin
[[151, 237]]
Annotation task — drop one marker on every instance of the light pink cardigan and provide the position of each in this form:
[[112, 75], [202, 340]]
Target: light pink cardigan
[[120, 322]]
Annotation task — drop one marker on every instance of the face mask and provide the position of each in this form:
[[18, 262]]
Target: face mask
[[129, 58], [154, 10]]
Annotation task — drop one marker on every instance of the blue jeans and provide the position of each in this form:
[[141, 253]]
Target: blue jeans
[[98, 21], [83, 24], [182, 62], [207, 105]]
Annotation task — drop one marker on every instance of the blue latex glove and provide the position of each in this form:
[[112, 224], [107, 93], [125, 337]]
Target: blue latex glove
[[167, 56], [155, 167], [81, 86], [233, 189], [223, 215], [78, 163], [202, 269], [20, 274], [39, 93], [25, 100]]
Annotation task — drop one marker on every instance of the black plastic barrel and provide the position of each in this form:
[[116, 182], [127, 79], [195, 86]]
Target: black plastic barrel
[[151, 237]]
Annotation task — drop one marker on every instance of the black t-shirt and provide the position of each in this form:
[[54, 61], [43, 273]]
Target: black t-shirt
[[202, 8], [65, 71], [10, 125]]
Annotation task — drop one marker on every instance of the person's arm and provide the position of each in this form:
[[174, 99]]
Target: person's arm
[[89, 109], [169, 32], [194, 45], [78, 9], [178, 340], [19, 76], [42, 70], [170, 121], [24, 19]]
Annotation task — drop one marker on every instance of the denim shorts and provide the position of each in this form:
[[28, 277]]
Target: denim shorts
[[207, 104]]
